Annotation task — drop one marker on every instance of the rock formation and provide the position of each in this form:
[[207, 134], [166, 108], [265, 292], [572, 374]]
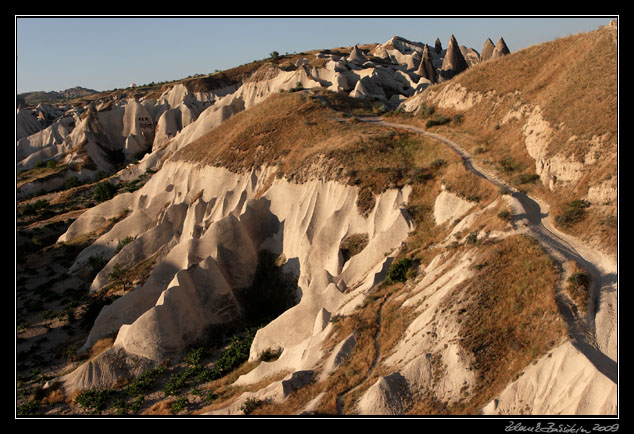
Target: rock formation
[[357, 56], [437, 46], [500, 49], [454, 62], [425, 68], [487, 50]]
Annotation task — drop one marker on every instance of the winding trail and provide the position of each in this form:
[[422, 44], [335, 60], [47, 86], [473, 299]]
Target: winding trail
[[582, 331]]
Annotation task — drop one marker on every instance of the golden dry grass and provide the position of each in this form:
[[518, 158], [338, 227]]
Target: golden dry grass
[[512, 316]]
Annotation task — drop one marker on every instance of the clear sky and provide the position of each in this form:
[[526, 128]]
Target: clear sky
[[107, 52]]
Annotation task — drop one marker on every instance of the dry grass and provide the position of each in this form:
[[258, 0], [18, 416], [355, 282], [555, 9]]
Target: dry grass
[[573, 79], [512, 316]]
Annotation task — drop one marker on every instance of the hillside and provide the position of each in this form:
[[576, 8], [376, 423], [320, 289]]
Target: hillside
[[549, 114], [38, 97], [340, 232]]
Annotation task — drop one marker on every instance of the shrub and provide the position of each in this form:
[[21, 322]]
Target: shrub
[[71, 182], [250, 405], [578, 284], [579, 279], [509, 165], [398, 271], [527, 178], [458, 118], [426, 111], [95, 400], [505, 215], [472, 238], [179, 405], [33, 208], [31, 407], [269, 355], [144, 381], [438, 120], [573, 213], [96, 263], [104, 191], [124, 242], [298, 86]]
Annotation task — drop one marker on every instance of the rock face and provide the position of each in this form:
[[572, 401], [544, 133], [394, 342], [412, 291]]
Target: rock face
[[454, 62]]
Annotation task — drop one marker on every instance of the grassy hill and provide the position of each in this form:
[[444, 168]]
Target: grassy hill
[[52, 97]]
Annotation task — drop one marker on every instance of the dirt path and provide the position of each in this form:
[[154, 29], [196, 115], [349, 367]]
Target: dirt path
[[583, 330]]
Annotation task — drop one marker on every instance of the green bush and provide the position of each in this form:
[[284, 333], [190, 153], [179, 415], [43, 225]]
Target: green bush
[[104, 191], [179, 405], [398, 271], [95, 400], [505, 215], [438, 120], [71, 182], [144, 381], [509, 165], [472, 238], [527, 178], [426, 110], [96, 263], [124, 242], [574, 212], [580, 279], [31, 407], [250, 405]]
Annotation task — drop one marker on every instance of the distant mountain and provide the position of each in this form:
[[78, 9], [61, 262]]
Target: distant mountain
[[37, 97]]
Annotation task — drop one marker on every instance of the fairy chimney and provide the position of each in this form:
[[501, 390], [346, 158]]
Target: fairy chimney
[[487, 50], [454, 62], [437, 46], [426, 69], [500, 49]]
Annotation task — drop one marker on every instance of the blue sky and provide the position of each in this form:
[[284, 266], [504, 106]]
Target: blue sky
[[104, 53]]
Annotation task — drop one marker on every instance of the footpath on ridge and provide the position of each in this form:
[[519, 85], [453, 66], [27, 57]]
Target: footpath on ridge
[[582, 331]]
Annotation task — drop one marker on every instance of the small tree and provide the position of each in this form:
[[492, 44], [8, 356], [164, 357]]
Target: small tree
[[119, 275]]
